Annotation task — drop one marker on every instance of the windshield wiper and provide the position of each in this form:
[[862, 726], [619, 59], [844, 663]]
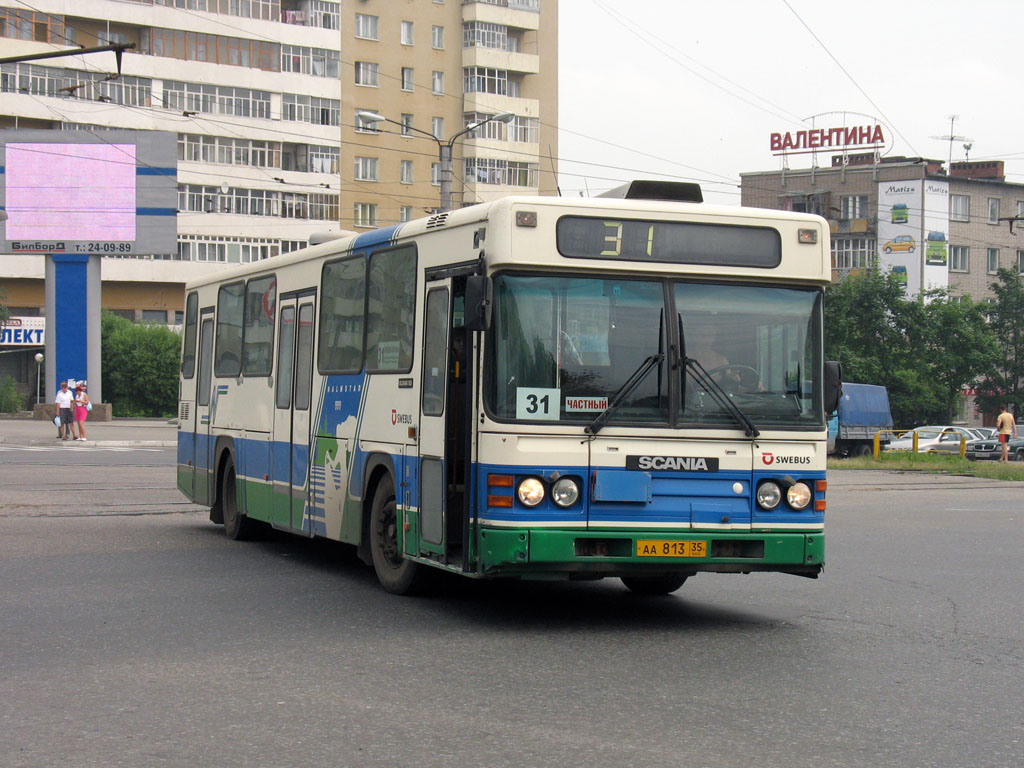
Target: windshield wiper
[[720, 395], [623, 392]]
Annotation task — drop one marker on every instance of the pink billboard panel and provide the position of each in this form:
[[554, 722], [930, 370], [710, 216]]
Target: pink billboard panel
[[71, 191]]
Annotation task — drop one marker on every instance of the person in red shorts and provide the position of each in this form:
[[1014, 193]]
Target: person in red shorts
[[1005, 426]]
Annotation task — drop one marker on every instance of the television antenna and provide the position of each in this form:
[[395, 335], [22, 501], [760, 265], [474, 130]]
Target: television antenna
[[951, 138]]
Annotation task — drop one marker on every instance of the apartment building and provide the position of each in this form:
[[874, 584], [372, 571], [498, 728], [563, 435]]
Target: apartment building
[[908, 215], [268, 101], [432, 69]]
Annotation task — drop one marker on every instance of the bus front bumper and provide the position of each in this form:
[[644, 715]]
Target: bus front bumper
[[590, 554]]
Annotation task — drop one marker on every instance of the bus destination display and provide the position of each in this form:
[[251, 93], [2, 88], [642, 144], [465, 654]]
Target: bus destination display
[[677, 242]]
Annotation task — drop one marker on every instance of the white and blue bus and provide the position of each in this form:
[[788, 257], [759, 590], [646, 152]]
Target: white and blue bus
[[533, 387]]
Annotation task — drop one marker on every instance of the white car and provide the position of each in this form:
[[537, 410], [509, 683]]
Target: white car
[[930, 438]]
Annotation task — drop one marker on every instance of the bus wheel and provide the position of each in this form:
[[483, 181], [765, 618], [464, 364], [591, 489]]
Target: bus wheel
[[236, 525], [396, 574], [653, 585]]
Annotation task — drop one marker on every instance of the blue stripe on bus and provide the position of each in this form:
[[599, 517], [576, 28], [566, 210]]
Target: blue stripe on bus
[[376, 238]]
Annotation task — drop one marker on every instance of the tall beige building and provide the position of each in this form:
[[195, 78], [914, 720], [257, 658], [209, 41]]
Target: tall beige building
[[433, 68]]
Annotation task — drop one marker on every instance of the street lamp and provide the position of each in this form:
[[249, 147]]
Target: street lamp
[[39, 362], [444, 148]]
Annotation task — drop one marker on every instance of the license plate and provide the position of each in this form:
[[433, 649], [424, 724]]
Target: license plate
[[670, 548]]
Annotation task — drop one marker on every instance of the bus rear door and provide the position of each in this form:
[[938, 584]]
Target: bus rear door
[[292, 395], [202, 443]]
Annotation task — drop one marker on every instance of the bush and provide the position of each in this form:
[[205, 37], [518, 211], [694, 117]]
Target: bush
[[140, 367], [10, 400]]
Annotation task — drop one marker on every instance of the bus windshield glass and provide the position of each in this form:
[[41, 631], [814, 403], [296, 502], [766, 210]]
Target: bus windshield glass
[[561, 347], [759, 344]]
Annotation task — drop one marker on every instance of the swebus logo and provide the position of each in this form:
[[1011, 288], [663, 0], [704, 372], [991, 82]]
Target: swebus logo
[[400, 418], [771, 458]]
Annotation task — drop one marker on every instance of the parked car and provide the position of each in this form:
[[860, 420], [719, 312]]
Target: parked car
[[992, 450], [930, 437], [900, 243], [986, 432], [953, 446]]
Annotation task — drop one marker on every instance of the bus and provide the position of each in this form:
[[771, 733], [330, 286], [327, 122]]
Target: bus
[[628, 386]]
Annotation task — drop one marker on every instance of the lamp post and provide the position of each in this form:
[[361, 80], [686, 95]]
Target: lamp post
[[39, 361], [444, 148]]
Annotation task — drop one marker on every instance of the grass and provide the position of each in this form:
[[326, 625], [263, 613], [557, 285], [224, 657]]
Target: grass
[[936, 464]]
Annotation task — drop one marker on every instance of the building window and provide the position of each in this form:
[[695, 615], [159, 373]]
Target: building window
[[435, 174], [1020, 262], [366, 169], [853, 253], [993, 261], [437, 37], [437, 83], [485, 80], [406, 33], [366, 73], [407, 171], [993, 210], [960, 207], [484, 34], [437, 127], [366, 27], [405, 213], [365, 215], [854, 206], [959, 258], [362, 125], [406, 124], [158, 316], [406, 78]]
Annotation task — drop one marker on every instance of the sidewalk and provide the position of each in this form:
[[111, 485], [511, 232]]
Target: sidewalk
[[119, 432]]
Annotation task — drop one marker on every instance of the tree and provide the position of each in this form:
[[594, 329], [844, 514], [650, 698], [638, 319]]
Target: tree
[[959, 346], [1006, 318], [140, 367], [5, 313], [923, 350]]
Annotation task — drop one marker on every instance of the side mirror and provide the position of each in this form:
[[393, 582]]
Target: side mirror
[[833, 387], [479, 292]]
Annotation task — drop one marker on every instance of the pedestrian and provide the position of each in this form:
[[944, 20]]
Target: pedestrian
[[65, 402], [81, 408], [1006, 426]]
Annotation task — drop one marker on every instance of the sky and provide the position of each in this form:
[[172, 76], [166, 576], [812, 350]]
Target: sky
[[691, 90]]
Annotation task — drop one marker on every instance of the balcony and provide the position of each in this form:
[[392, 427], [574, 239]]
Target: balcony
[[521, 14]]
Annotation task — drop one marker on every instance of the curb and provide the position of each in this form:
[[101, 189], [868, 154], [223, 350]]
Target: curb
[[103, 444]]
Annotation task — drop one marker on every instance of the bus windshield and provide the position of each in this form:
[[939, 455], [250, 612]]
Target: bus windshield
[[560, 347]]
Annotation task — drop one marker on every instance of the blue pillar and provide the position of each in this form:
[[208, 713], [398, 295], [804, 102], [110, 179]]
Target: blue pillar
[[70, 317]]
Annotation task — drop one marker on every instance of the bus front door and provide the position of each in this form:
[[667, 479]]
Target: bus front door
[[292, 394], [444, 400]]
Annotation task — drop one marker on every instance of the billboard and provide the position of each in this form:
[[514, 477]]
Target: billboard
[[913, 231], [88, 192]]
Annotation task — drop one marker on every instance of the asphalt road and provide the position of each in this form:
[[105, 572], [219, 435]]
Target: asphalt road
[[135, 634]]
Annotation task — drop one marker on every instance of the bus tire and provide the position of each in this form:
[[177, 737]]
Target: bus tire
[[396, 574], [654, 585], [237, 526]]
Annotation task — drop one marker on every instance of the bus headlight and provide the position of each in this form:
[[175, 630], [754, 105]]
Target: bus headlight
[[798, 495], [565, 492], [531, 491], [768, 495]]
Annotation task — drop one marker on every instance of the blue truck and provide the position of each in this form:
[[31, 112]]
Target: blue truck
[[863, 411]]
